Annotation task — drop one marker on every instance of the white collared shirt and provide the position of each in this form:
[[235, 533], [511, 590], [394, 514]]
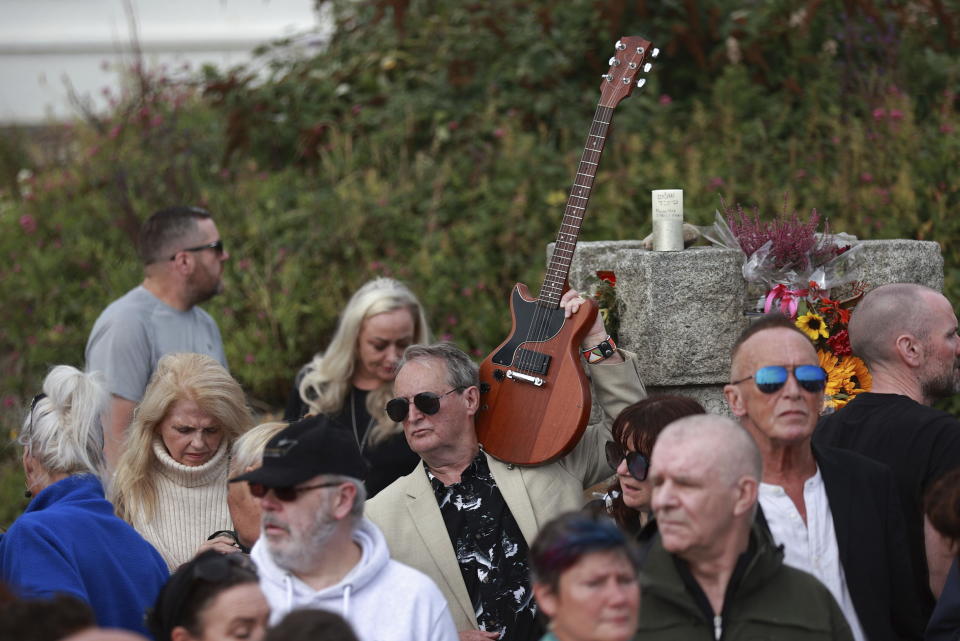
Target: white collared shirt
[[811, 546]]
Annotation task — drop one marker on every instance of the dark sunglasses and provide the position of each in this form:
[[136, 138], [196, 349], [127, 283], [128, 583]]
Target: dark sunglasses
[[286, 494], [637, 464], [772, 378], [216, 246], [426, 402]]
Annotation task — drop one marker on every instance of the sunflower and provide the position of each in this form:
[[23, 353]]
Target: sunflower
[[861, 376], [813, 326], [839, 372]]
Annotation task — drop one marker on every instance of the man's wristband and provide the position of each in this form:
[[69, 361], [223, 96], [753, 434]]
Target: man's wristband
[[604, 349]]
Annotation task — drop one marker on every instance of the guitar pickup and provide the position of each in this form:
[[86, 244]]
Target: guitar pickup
[[531, 361]]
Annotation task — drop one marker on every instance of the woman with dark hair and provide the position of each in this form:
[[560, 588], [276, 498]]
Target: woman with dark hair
[[584, 573], [942, 508], [634, 432], [213, 597]]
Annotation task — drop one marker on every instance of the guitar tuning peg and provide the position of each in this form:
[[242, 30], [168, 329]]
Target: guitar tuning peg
[[655, 52], [614, 61], [625, 80], [620, 46], [607, 77], [647, 67], [641, 82], [639, 51]]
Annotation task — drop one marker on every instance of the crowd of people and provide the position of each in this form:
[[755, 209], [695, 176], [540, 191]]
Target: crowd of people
[[373, 513]]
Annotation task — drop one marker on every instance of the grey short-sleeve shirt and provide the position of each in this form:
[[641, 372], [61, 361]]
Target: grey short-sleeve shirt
[[136, 330]]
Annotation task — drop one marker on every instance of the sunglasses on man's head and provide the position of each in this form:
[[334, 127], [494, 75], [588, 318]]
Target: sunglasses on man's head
[[216, 246], [637, 464], [426, 402], [772, 378], [286, 494]]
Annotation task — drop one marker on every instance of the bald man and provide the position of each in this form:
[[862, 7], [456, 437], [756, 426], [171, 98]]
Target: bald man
[[836, 513], [907, 335], [712, 570]]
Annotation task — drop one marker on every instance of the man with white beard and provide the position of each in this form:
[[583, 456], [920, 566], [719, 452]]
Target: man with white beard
[[316, 550]]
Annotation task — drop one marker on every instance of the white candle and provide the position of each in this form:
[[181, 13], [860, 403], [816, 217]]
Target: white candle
[[667, 220]]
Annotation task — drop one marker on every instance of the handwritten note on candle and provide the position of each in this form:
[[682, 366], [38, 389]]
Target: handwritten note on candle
[[667, 219]]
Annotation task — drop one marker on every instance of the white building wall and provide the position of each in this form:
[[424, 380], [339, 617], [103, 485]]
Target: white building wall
[[44, 42]]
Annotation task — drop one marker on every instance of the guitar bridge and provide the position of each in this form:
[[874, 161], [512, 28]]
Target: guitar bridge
[[523, 378], [531, 361]]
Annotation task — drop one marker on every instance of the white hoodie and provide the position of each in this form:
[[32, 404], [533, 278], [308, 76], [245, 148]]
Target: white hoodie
[[382, 599]]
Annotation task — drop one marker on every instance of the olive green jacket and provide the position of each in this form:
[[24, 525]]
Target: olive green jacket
[[772, 601]]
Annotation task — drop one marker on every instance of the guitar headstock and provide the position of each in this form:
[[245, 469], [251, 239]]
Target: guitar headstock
[[631, 59]]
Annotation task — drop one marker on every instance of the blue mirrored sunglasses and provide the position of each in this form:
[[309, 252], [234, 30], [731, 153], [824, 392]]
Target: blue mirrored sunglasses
[[770, 379]]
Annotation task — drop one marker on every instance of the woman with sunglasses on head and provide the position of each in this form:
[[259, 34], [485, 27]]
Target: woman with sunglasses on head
[[352, 380], [213, 597], [584, 573], [634, 433], [171, 481], [69, 540]]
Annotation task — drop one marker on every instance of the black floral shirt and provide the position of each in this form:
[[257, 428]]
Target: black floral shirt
[[491, 551]]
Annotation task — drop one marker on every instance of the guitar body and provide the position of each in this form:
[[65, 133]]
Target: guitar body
[[534, 395], [519, 420]]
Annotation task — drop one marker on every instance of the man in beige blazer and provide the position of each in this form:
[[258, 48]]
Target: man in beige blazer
[[438, 518]]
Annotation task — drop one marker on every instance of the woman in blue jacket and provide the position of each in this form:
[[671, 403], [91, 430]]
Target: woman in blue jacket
[[69, 540]]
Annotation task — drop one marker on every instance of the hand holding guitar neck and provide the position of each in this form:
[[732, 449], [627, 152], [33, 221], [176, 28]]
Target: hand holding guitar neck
[[571, 302]]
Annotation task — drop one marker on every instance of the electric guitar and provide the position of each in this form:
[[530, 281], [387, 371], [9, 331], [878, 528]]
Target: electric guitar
[[534, 395]]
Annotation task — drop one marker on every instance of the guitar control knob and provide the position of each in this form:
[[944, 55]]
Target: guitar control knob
[[499, 374], [484, 387]]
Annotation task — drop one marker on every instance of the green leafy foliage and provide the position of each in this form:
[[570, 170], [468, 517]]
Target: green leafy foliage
[[434, 140]]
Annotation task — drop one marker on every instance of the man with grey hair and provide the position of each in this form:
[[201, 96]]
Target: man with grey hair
[[712, 569], [316, 550], [183, 259], [907, 335], [835, 513], [467, 519]]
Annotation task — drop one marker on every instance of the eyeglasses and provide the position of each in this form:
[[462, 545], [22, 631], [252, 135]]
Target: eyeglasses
[[770, 379], [426, 402], [216, 246], [637, 464], [33, 406], [286, 494]]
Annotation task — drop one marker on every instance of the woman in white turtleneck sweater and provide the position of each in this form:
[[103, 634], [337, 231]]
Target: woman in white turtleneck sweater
[[171, 480]]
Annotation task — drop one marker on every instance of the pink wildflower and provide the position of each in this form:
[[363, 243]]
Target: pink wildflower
[[866, 177], [879, 114], [946, 128], [249, 358], [665, 99], [28, 223], [896, 114]]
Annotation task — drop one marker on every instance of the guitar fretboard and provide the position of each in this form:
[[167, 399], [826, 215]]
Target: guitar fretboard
[[556, 276]]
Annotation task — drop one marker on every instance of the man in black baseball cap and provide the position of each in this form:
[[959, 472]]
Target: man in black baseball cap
[[316, 550]]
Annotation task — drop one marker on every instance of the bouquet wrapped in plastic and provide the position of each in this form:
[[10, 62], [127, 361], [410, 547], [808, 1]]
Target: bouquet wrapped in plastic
[[793, 268]]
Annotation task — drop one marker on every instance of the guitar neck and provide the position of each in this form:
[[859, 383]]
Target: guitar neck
[[556, 277]]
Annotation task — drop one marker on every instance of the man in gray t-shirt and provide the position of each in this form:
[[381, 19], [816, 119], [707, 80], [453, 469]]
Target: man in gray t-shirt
[[183, 260]]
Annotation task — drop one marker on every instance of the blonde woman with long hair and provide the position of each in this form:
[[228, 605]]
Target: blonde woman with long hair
[[352, 380], [171, 481]]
